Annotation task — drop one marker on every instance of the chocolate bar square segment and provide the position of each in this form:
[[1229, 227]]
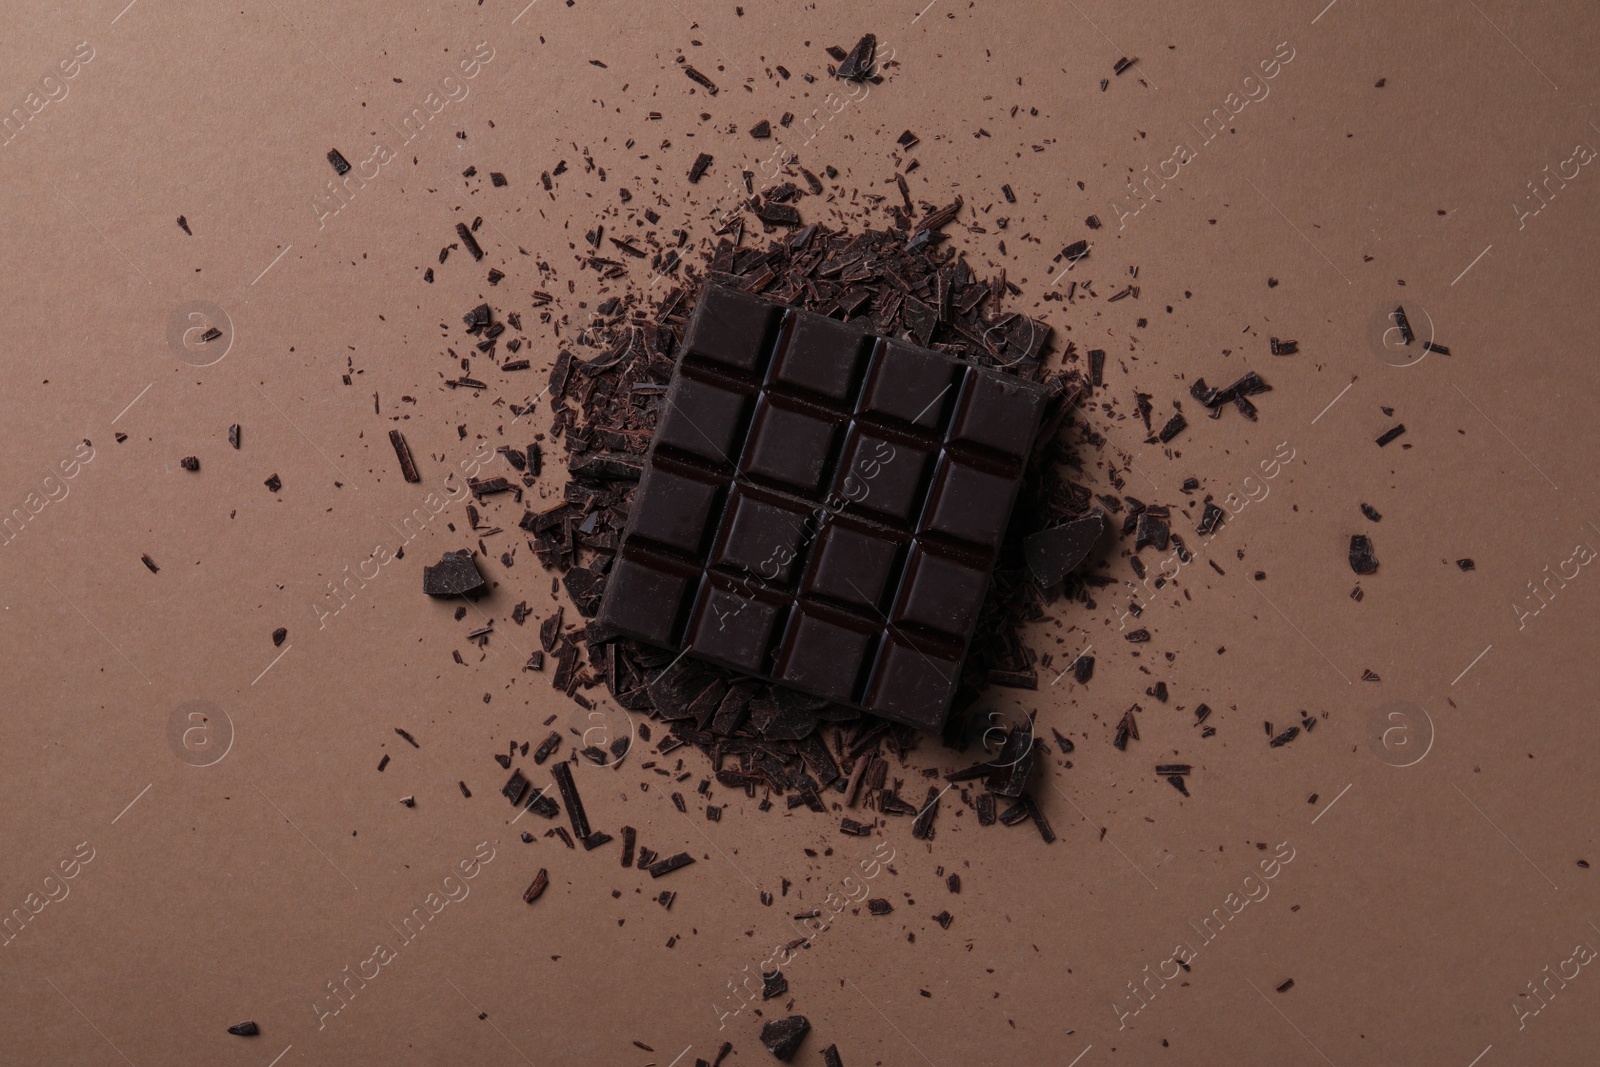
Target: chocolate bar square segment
[[911, 384], [733, 329], [856, 564], [790, 445], [1000, 413], [823, 357], [675, 509], [883, 476], [969, 502], [704, 419], [824, 652], [646, 596], [942, 591], [733, 624], [761, 537], [913, 683]]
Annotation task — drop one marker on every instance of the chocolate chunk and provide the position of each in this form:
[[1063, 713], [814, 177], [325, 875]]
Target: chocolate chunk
[[700, 79], [536, 888], [773, 985], [456, 574], [782, 1037], [150, 563], [830, 1055], [1210, 519], [702, 163], [402, 451], [184, 224], [1173, 427], [562, 773], [189, 463], [1362, 559], [1391, 434], [340, 165], [1371, 512], [761, 130], [1284, 348], [233, 435], [278, 636], [670, 864], [1054, 553], [1466, 564], [1013, 763], [859, 64], [515, 787], [816, 470], [1404, 325], [274, 483], [468, 241], [245, 1029]]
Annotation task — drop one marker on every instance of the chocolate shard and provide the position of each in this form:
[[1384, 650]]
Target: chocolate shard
[[468, 241], [562, 773], [245, 1029], [1014, 762], [340, 164], [536, 888], [456, 574], [860, 63], [402, 451], [1362, 559], [670, 864], [1054, 553], [515, 787], [782, 1037]]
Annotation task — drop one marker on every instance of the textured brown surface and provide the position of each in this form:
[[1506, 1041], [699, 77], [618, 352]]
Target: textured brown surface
[[1420, 901]]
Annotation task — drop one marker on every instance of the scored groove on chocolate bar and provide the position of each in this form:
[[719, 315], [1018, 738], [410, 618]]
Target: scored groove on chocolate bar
[[822, 507]]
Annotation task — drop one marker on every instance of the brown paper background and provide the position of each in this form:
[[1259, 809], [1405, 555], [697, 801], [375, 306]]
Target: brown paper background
[[1420, 900]]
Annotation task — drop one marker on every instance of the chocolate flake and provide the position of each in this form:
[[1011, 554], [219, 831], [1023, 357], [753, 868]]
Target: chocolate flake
[[536, 888]]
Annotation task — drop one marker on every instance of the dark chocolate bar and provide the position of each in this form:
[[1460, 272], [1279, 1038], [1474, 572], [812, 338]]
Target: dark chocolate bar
[[822, 507]]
